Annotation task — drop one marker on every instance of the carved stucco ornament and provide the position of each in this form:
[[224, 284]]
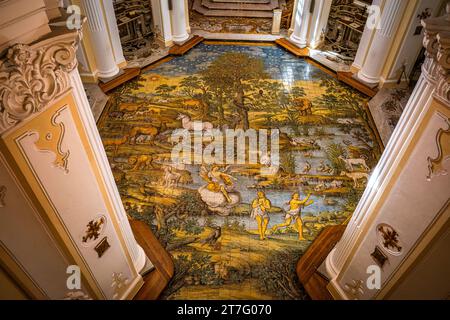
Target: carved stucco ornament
[[32, 76], [354, 289], [443, 59], [437, 62], [119, 284]]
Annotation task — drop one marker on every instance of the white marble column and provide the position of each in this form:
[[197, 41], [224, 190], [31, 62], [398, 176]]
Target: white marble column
[[301, 23], [178, 18], [113, 32], [379, 48], [137, 253], [319, 21], [161, 22], [101, 46], [276, 21], [396, 199], [364, 43]]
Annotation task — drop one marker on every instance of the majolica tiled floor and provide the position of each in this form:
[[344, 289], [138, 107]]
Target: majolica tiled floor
[[217, 249]]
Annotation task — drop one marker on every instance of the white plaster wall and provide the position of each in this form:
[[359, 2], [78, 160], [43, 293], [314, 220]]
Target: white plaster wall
[[80, 202], [412, 205], [412, 44], [421, 282], [28, 240]]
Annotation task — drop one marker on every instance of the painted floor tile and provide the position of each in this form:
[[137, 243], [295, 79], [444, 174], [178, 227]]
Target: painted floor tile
[[236, 231]]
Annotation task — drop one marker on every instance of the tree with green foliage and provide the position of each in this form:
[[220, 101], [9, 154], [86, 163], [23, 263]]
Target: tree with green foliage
[[165, 90], [235, 74], [333, 152], [350, 101], [196, 88]]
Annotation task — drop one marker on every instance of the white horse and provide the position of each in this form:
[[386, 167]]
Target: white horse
[[355, 176], [349, 163], [188, 124]]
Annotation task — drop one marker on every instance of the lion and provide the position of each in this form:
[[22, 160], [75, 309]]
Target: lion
[[304, 106], [137, 131], [141, 162]]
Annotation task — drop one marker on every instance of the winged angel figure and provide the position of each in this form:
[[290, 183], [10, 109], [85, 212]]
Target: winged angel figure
[[219, 193]]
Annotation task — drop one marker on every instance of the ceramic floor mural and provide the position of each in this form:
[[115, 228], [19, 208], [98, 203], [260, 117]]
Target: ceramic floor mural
[[234, 232]]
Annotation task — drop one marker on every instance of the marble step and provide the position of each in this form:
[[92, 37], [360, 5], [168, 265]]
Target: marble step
[[292, 48], [273, 4], [179, 50], [230, 13]]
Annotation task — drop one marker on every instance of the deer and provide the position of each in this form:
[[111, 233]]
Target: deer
[[115, 142], [355, 176]]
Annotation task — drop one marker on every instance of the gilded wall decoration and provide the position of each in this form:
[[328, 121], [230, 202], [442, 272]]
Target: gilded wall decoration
[[119, 283], [77, 295], [2, 196], [94, 229], [436, 166], [379, 256], [102, 246], [354, 289], [32, 76], [389, 239], [52, 141]]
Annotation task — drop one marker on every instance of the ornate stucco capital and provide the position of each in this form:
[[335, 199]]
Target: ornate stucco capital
[[33, 76], [434, 28], [443, 60]]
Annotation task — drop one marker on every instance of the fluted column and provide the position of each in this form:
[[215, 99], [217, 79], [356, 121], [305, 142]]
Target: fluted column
[[301, 23], [101, 46], [347, 261], [178, 18], [378, 52]]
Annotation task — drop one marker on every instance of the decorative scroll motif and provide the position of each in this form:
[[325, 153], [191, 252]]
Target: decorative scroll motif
[[389, 239], [94, 228], [2, 196], [31, 77], [52, 141], [77, 295], [436, 166], [119, 283], [354, 289], [102, 246]]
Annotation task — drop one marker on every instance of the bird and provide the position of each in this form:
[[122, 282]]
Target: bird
[[212, 238]]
